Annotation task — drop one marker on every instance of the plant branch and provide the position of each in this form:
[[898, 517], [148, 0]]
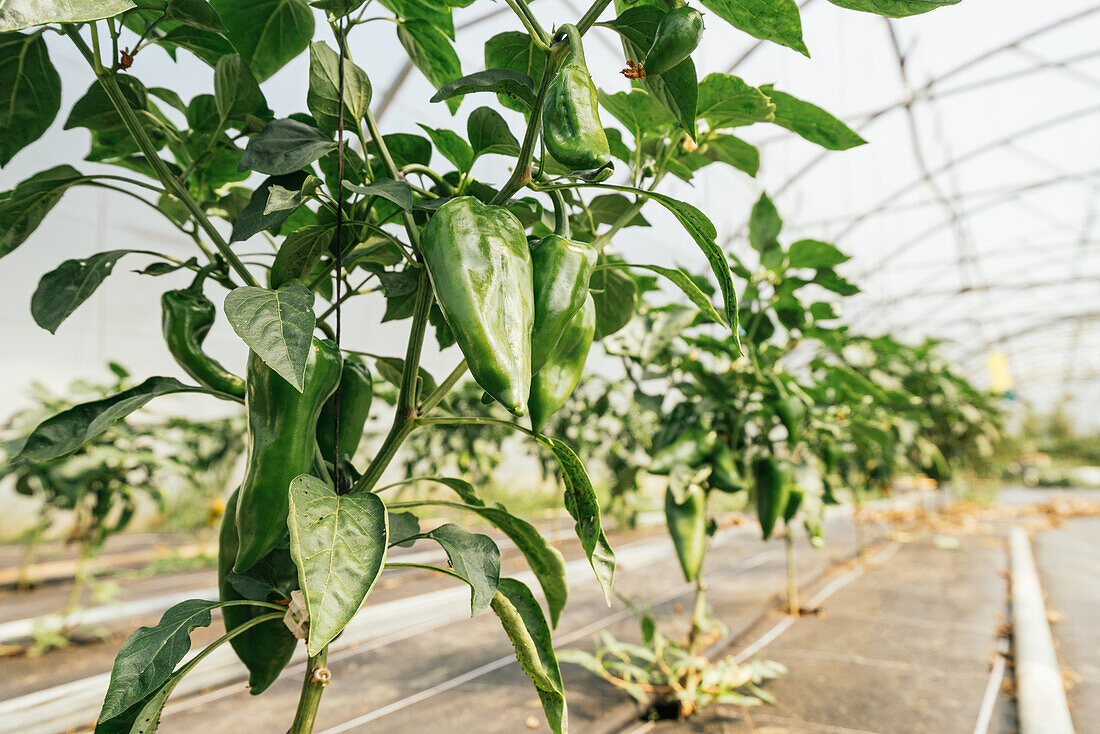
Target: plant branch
[[521, 174], [317, 677], [538, 34], [172, 184], [592, 15]]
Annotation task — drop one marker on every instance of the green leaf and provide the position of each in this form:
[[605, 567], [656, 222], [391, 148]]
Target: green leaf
[[894, 8], [811, 122], [407, 148], [146, 660], [95, 110], [323, 98], [451, 145], [523, 622], [62, 290], [206, 46], [616, 299], [727, 101], [267, 33], [70, 429], [254, 218], [545, 560], [815, 254], [277, 325], [390, 369], [398, 192], [733, 152], [489, 134], [236, 91], [337, 8], [300, 252], [475, 558], [32, 90], [830, 280], [764, 226], [703, 232], [582, 505], [18, 14], [638, 111], [769, 20], [513, 84], [431, 52], [607, 208], [284, 146], [195, 13], [515, 50], [683, 281], [435, 12], [404, 529], [29, 203], [823, 311], [339, 544], [678, 88]]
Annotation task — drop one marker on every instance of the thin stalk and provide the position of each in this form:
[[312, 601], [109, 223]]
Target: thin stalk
[[30, 553], [80, 575], [792, 575], [592, 15], [538, 34], [521, 174], [426, 567], [137, 132], [698, 615], [436, 397], [561, 213], [317, 677]]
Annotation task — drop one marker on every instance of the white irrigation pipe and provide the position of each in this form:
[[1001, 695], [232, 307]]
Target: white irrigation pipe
[[1040, 694]]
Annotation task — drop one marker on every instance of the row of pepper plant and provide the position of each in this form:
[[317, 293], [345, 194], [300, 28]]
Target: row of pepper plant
[[342, 206]]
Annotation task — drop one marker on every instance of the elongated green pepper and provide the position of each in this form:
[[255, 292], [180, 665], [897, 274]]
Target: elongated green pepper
[[794, 501], [555, 382], [687, 524], [561, 271], [678, 35], [791, 412], [480, 267], [282, 436], [266, 648], [773, 485], [571, 126], [186, 318], [356, 394], [724, 475], [690, 449]]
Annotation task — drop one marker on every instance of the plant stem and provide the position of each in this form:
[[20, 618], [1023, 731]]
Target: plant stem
[[792, 575], [405, 415], [538, 34], [592, 15], [317, 677], [521, 174], [698, 615], [171, 183]]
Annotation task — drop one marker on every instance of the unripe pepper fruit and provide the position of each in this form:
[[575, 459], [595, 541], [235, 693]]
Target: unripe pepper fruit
[[690, 449], [282, 436], [571, 126], [480, 267], [772, 479], [678, 35], [266, 648], [561, 272], [186, 318], [356, 394], [687, 524], [791, 412], [555, 382]]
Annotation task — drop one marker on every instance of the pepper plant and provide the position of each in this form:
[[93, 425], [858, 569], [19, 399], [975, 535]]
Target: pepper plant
[[347, 208]]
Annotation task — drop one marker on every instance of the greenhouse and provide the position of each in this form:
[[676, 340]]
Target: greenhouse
[[604, 366]]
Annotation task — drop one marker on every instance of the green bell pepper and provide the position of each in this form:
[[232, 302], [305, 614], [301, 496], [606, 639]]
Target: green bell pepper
[[480, 267], [792, 412], [687, 524], [678, 35], [186, 318], [282, 436], [266, 648], [555, 382], [561, 270], [356, 394], [772, 479], [571, 126], [724, 475]]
